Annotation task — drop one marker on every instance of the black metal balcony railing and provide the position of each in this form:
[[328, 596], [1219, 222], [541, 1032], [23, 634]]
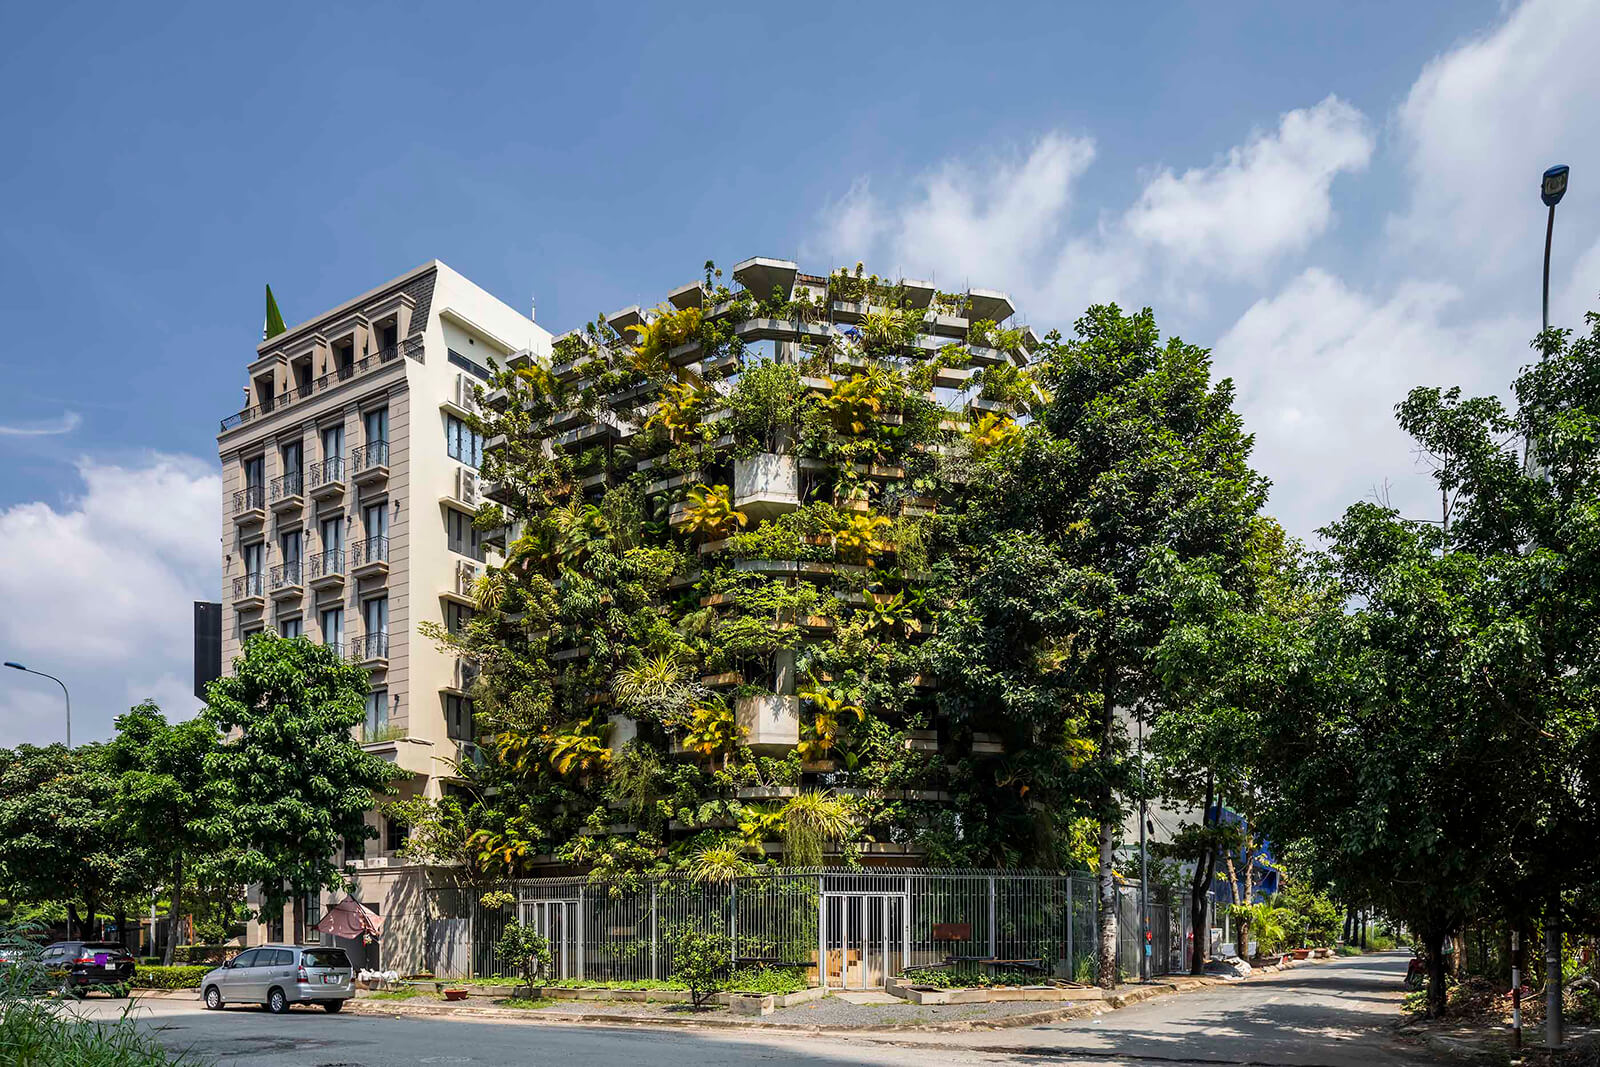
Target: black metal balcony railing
[[286, 486], [325, 564], [286, 574], [371, 646], [250, 498], [372, 550], [368, 456], [410, 348], [336, 646], [247, 585], [328, 471]]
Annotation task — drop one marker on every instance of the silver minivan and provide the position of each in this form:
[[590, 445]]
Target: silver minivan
[[280, 975]]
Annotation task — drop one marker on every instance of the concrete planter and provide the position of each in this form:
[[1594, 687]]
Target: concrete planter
[[990, 995], [765, 485], [766, 1003], [770, 722]]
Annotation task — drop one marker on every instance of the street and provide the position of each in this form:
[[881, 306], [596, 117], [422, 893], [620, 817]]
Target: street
[[1334, 1014]]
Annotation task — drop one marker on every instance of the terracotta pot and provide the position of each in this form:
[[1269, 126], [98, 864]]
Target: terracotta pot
[[455, 994]]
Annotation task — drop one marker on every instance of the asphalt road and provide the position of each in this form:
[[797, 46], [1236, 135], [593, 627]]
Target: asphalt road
[[1333, 1014]]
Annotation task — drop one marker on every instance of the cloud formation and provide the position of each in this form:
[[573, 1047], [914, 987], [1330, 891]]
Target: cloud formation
[[69, 421], [100, 590]]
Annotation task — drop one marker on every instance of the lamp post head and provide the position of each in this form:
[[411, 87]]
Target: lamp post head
[[15, 666], [1554, 185]]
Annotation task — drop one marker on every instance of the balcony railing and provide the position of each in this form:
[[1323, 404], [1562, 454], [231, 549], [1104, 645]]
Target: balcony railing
[[325, 564], [410, 348], [247, 585], [336, 646], [250, 498], [372, 550], [286, 574], [370, 647], [286, 486], [326, 472], [369, 456]]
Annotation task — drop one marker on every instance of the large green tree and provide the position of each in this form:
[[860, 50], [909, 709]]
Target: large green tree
[[165, 799], [291, 782], [1137, 458]]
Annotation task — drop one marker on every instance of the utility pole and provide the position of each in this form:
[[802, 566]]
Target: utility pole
[[1144, 873]]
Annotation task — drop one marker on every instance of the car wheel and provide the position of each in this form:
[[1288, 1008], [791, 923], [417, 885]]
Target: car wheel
[[213, 998], [333, 1006], [277, 1003]]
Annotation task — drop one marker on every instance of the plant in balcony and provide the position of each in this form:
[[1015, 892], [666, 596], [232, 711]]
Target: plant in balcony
[[668, 328], [679, 411], [994, 433], [711, 513], [765, 408], [812, 821], [860, 536], [579, 747], [713, 730], [830, 715]]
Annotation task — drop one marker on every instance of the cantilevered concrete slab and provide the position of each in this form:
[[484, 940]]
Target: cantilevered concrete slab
[[692, 295], [761, 276], [988, 304], [621, 320], [919, 294]]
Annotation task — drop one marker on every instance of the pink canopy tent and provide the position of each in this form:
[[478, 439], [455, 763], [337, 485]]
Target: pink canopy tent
[[350, 919]]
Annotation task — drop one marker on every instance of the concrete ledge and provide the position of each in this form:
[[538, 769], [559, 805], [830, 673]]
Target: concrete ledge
[[990, 995]]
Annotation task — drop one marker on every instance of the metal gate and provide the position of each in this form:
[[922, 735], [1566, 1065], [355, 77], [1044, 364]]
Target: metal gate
[[865, 939], [561, 923]]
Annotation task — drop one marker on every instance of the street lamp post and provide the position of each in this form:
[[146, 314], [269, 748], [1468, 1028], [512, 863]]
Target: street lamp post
[[58, 681]]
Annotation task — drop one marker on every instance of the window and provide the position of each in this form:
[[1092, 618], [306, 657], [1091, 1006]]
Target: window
[[461, 534], [456, 617], [291, 460], [458, 717], [394, 834], [274, 933], [376, 423], [248, 957], [463, 442], [375, 615], [333, 534], [326, 957], [255, 472], [254, 555], [333, 627], [332, 442], [289, 543], [377, 712], [313, 916], [388, 336], [289, 627], [376, 519]]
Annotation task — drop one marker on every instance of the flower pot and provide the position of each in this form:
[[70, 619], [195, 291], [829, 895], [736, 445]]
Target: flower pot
[[1301, 953], [455, 994]]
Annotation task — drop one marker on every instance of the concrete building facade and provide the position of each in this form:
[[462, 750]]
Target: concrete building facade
[[350, 479]]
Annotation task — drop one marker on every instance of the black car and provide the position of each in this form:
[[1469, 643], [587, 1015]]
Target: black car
[[85, 965]]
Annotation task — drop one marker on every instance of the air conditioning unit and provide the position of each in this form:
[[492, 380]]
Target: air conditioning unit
[[467, 393], [467, 575], [467, 486]]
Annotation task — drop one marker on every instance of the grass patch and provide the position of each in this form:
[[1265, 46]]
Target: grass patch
[[767, 980], [589, 983], [943, 978], [394, 994], [525, 1003]]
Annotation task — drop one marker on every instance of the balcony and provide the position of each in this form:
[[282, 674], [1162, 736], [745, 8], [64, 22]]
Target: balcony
[[250, 505], [288, 492], [410, 349], [464, 589], [285, 581], [327, 479], [325, 570], [463, 677], [249, 591], [336, 647], [369, 558], [369, 463], [370, 650]]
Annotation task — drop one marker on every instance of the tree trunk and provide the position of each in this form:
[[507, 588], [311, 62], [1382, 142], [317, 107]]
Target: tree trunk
[[1349, 923], [177, 910], [1433, 944], [121, 918], [1107, 962], [1458, 958], [91, 905], [299, 918], [1204, 868], [74, 926], [1362, 918]]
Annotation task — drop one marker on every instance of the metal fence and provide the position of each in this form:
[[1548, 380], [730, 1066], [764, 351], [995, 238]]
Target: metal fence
[[849, 928]]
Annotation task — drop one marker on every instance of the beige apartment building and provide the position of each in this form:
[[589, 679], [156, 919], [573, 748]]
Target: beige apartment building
[[349, 482]]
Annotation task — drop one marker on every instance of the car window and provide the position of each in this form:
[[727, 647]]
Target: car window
[[55, 952], [282, 957], [246, 959], [326, 957]]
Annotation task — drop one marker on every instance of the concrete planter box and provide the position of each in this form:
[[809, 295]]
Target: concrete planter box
[[982, 995], [769, 722], [759, 1004], [765, 485]]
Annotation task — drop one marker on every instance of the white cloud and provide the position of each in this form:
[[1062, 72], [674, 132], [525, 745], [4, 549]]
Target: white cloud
[[1262, 199], [69, 421], [100, 592], [1319, 368]]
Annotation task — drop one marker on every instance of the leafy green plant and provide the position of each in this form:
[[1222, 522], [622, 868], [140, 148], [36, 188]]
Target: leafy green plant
[[524, 950], [700, 960], [187, 977]]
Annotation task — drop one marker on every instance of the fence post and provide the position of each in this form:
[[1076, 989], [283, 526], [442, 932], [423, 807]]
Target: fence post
[[655, 931], [822, 936], [733, 910], [994, 922], [1072, 920]]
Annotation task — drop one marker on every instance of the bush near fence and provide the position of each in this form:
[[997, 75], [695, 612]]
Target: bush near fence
[[187, 977], [208, 954]]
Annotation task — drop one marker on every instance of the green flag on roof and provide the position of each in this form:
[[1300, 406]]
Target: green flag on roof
[[274, 324]]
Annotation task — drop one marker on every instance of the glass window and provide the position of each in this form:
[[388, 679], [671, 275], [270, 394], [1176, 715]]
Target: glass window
[[332, 442], [289, 627], [333, 534], [247, 958], [254, 555], [456, 617], [375, 615], [291, 460], [274, 933], [376, 423], [255, 472], [313, 916], [326, 957], [333, 627], [461, 534], [394, 834], [458, 717], [462, 442], [290, 544], [377, 712], [376, 519]]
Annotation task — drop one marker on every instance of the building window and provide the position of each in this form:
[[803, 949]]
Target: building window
[[461, 534], [289, 543], [456, 617], [332, 442], [394, 834], [462, 442], [376, 519], [333, 629], [375, 615], [289, 627], [458, 717], [255, 472], [255, 555], [333, 534], [376, 424], [275, 927], [291, 461], [377, 714]]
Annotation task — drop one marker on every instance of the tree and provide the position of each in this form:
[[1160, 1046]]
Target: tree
[[701, 961], [524, 950], [165, 799], [1136, 456], [59, 836], [293, 785]]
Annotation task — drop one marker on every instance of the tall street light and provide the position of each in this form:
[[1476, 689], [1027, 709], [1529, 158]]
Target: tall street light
[[58, 681], [1551, 190]]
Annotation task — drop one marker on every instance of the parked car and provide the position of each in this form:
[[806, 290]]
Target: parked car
[[84, 965], [278, 976]]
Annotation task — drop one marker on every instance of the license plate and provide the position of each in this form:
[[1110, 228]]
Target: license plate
[[330, 979]]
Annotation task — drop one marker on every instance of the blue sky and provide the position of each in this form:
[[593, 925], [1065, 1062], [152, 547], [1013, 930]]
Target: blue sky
[[1341, 201]]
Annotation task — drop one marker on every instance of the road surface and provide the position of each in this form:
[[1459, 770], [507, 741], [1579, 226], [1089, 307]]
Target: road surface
[[1334, 1014]]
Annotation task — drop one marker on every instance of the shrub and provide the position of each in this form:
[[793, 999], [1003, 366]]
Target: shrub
[[524, 950], [947, 978], [198, 954], [700, 961], [187, 977], [767, 980]]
